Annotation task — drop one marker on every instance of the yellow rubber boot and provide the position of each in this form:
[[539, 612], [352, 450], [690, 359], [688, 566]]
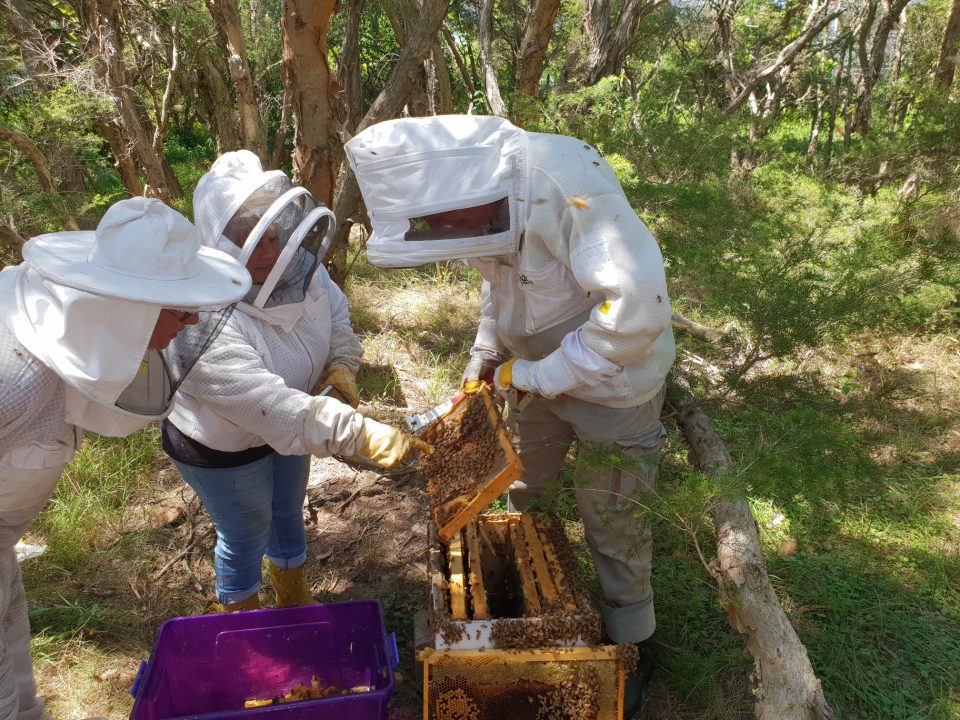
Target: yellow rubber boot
[[250, 603], [290, 585]]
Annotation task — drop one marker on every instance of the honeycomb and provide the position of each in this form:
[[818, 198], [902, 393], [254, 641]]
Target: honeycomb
[[568, 684], [472, 464]]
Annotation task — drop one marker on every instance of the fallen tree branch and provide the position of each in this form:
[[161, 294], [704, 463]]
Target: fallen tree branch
[[692, 327], [787, 688]]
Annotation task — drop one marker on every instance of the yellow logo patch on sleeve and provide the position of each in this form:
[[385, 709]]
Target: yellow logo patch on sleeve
[[605, 308]]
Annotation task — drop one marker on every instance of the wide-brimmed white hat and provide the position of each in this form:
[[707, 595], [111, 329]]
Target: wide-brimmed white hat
[[142, 251]]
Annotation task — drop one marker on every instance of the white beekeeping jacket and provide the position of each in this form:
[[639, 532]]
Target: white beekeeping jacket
[[252, 386], [586, 294]]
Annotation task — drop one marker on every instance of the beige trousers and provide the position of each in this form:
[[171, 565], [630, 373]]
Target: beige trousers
[[616, 470], [28, 477]]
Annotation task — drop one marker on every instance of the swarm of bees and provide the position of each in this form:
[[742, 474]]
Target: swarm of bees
[[575, 698], [299, 692], [548, 630]]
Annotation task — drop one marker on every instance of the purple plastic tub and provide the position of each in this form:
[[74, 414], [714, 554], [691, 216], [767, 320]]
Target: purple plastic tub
[[206, 667]]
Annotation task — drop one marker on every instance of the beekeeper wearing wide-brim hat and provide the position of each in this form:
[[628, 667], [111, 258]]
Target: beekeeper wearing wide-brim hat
[[248, 418], [98, 329], [574, 314]]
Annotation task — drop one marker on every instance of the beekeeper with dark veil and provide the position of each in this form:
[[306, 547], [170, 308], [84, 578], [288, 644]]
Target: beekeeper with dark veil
[[98, 330], [247, 420], [574, 322]]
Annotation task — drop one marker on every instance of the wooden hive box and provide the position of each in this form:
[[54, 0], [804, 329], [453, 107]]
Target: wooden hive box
[[575, 683], [505, 581]]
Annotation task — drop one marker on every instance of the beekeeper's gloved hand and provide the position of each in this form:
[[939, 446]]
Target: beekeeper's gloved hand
[[387, 446], [478, 371], [345, 382], [514, 373]]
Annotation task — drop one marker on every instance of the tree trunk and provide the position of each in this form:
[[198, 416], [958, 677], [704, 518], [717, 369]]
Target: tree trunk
[[898, 96], [458, 59], [306, 72], [38, 58], [226, 18], [443, 91], [104, 21], [25, 145], [533, 47], [814, 145], [490, 86], [387, 105], [163, 116], [403, 16], [278, 156], [10, 239], [949, 48], [212, 89], [349, 72], [787, 688], [123, 160], [610, 44], [834, 106], [872, 65]]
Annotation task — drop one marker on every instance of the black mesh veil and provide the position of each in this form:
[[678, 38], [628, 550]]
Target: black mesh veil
[[162, 371]]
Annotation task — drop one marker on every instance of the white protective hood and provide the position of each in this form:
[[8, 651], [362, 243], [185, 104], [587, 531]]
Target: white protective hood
[[235, 192], [86, 303], [412, 168]]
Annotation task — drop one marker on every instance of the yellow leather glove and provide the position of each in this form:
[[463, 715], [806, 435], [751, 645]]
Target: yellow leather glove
[[503, 376], [387, 446], [345, 382], [477, 372]]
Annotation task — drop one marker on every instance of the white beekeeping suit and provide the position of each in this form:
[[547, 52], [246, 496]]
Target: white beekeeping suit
[[253, 387], [574, 290], [87, 342]]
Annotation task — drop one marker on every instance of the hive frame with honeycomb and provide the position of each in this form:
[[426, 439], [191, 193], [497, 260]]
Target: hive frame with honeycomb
[[506, 468], [503, 582], [577, 683]]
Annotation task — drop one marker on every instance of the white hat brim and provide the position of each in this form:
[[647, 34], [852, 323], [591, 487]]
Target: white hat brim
[[63, 257]]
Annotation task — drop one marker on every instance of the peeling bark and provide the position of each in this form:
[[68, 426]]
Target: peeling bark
[[306, 72], [490, 86], [610, 43], [786, 686], [533, 47], [123, 160], [226, 18]]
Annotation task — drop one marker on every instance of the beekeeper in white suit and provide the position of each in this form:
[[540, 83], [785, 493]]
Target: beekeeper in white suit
[[247, 421], [574, 319], [98, 329]]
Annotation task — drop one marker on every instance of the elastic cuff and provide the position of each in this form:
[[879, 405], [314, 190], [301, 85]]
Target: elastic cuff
[[630, 623], [229, 598], [288, 563]]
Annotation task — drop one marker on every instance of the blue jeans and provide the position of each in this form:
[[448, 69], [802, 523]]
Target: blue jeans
[[257, 509]]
